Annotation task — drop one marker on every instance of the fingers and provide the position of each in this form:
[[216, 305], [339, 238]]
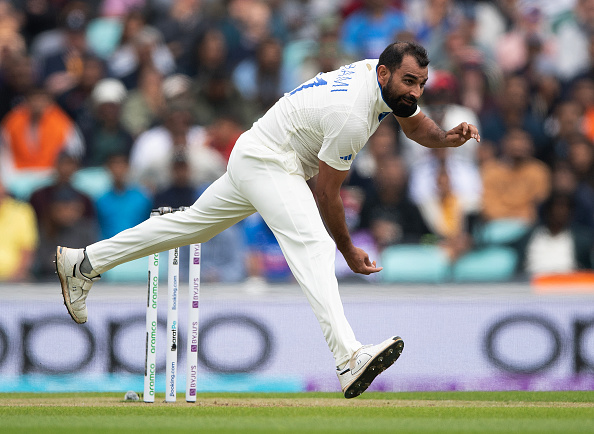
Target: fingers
[[464, 126], [463, 133], [370, 270]]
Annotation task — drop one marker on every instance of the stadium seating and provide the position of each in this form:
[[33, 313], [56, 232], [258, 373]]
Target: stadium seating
[[414, 264]]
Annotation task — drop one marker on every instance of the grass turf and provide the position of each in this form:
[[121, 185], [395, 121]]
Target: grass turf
[[420, 412]]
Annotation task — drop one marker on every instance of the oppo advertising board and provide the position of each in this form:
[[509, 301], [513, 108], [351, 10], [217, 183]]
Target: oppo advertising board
[[275, 343]]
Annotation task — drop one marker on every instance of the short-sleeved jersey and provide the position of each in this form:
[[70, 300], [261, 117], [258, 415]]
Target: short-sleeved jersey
[[328, 118]]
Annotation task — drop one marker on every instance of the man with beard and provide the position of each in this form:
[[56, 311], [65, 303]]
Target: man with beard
[[318, 128]]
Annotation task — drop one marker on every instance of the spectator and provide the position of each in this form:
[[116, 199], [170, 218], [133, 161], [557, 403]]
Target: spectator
[[18, 238], [34, 133], [210, 55], [181, 192], [11, 41], [41, 199], [218, 97], [517, 183], [512, 110], [153, 151], [66, 224], [38, 17], [247, 24], [388, 212], [106, 135], [565, 181], [366, 32], [381, 146], [16, 81], [261, 80], [432, 21], [75, 102], [574, 32], [222, 135], [557, 246], [446, 214], [124, 205], [582, 91], [146, 49], [179, 27], [145, 105], [581, 158], [565, 123], [62, 70]]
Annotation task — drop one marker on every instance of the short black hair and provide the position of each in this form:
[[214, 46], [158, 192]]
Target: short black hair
[[392, 56]]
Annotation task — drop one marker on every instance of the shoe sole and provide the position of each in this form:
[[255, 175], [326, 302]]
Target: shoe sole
[[376, 366], [64, 285]]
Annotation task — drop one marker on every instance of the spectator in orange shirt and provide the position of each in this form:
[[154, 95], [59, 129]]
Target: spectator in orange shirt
[[33, 134], [515, 184]]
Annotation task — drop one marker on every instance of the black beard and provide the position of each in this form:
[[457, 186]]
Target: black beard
[[398, 106]]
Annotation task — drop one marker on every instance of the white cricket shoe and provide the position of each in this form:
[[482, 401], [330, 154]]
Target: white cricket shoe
[[367, 363], [75, 286]]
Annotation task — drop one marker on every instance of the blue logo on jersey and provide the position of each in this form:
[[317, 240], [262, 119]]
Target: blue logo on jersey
[[382, 116], [347, 157], [341, 83], [317, 81]]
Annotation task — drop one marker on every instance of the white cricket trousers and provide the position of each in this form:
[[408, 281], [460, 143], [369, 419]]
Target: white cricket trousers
[[271, 183]]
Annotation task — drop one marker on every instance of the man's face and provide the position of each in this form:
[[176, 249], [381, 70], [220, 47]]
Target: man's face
[[404, 87]]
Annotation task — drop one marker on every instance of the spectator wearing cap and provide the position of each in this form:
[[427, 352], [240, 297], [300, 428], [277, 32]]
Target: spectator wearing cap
[[66, 223], [125, 204], [34, 134], [106, 135]]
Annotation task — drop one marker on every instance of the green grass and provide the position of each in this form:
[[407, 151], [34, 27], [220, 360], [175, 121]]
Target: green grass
[[436, 412]]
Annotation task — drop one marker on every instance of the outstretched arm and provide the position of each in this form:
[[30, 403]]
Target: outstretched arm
[[330, 204], [426, 132]]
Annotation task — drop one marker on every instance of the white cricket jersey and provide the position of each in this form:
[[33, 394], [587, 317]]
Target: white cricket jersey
[[328, 118]]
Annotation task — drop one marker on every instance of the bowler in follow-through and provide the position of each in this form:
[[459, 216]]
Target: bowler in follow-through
[[318, 128]]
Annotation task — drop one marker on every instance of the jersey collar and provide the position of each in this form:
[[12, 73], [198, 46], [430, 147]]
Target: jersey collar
[[381, 107]]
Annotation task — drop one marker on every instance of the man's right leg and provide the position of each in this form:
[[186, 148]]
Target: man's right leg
[[218, 208]]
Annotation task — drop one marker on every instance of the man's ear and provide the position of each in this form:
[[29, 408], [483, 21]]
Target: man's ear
[[383, 75]]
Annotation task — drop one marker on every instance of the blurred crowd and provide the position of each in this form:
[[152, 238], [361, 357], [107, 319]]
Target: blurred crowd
[[109, 108]]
